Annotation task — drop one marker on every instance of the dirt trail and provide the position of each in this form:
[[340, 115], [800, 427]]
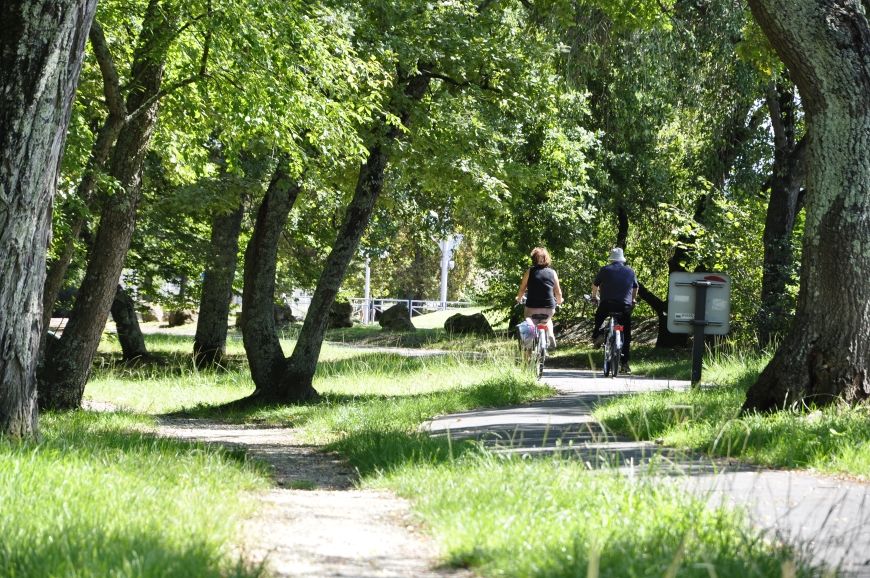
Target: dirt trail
[[329, 528]]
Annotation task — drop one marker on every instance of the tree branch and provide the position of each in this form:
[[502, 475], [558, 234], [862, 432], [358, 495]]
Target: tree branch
[[169, 89], [111, 82], [428, 73]]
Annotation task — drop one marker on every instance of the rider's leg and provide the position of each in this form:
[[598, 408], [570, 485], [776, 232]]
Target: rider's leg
[[551, 333], [626, 334], [600, 315]]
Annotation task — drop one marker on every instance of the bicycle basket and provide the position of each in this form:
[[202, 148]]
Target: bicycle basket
[[526, 332]]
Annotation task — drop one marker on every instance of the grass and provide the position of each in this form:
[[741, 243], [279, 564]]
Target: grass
[[835, 439], [99, 496], [555, 518], [500, 516]]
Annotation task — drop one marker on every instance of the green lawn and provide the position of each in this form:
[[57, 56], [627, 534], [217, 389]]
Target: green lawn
[[832, 440], [100, 496], [66, 500]]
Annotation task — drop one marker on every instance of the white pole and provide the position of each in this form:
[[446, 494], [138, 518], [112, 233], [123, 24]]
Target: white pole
[[445, 267], [367, 303]]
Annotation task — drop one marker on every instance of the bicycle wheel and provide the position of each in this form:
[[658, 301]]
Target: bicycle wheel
[[541, 357], [607, 347], [615, 355]]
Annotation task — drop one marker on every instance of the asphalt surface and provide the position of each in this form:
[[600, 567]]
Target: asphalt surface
[[826, 517]]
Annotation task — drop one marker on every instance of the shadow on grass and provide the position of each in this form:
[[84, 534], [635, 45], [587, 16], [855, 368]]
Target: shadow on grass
[[94, 435], [89, 550], [82, 532]]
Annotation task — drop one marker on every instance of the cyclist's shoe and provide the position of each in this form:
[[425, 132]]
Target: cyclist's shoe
[[625, 368], [598, 340], [551, 342]]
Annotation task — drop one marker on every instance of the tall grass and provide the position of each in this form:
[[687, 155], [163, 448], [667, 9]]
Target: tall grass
[[554, 518], [99, 496], [832, 439]]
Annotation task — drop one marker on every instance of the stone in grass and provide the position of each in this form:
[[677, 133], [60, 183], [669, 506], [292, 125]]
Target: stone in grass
[[340, 315], [476, 324], [179, 317], [396, 318]]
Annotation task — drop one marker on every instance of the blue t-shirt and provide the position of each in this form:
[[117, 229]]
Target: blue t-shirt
[[615, 282]]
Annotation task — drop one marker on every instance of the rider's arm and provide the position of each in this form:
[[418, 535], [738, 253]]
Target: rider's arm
[[523, 284], [557, 290], [634, 295]]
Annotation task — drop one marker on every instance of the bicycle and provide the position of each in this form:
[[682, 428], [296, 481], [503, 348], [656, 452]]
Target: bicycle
[[539, 341], [612, 343]]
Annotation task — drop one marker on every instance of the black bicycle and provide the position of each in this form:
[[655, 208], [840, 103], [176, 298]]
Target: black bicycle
[[613, 342]]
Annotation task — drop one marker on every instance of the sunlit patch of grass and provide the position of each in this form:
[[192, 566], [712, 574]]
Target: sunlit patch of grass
[[555, 518], [833, 439], [100, 496]]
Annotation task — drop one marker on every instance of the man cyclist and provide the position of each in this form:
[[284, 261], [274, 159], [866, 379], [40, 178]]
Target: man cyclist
[[615, 288]]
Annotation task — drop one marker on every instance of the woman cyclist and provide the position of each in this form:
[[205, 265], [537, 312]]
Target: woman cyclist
[[544, 292]]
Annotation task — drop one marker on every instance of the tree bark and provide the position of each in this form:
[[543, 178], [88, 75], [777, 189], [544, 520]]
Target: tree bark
[[262, 346], [825, 355], [67, 364], [785, 184], [100, 151], [41, 51], [129, 333], [210, 342]]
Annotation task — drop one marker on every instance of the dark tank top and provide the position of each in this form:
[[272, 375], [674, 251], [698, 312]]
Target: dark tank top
[[540, 287]]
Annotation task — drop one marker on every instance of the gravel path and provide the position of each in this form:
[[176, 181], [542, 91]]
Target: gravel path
[[327, 529]]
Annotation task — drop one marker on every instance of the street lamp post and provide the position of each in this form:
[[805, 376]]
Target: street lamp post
[[447, 246], [367, 298]]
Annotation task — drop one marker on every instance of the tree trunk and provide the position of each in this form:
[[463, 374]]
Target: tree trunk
[[129, 333], [67, 365], [782, 210], [210, 342], [826, 354], [297, 373], [262, 346], [84, 191], [41, 50]]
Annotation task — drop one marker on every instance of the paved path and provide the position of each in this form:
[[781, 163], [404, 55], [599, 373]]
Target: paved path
[[828, 516]]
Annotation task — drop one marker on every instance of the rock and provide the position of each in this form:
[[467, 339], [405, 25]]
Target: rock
[[179, 317], [283, 315], [397, 318], [476, 324], [340, 315], [151, 313]]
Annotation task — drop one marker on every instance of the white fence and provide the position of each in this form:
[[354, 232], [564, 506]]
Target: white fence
[[368, 310]]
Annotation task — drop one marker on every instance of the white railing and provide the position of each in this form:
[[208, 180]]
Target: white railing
[[368, 310]]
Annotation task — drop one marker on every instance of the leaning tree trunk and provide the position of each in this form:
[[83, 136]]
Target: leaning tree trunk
[[57, 269], [290, 380], [129, 333], [210, 342], [67, 364], [826, 355], [41, 50], [786, 181], [262, 346], [296, 382]]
